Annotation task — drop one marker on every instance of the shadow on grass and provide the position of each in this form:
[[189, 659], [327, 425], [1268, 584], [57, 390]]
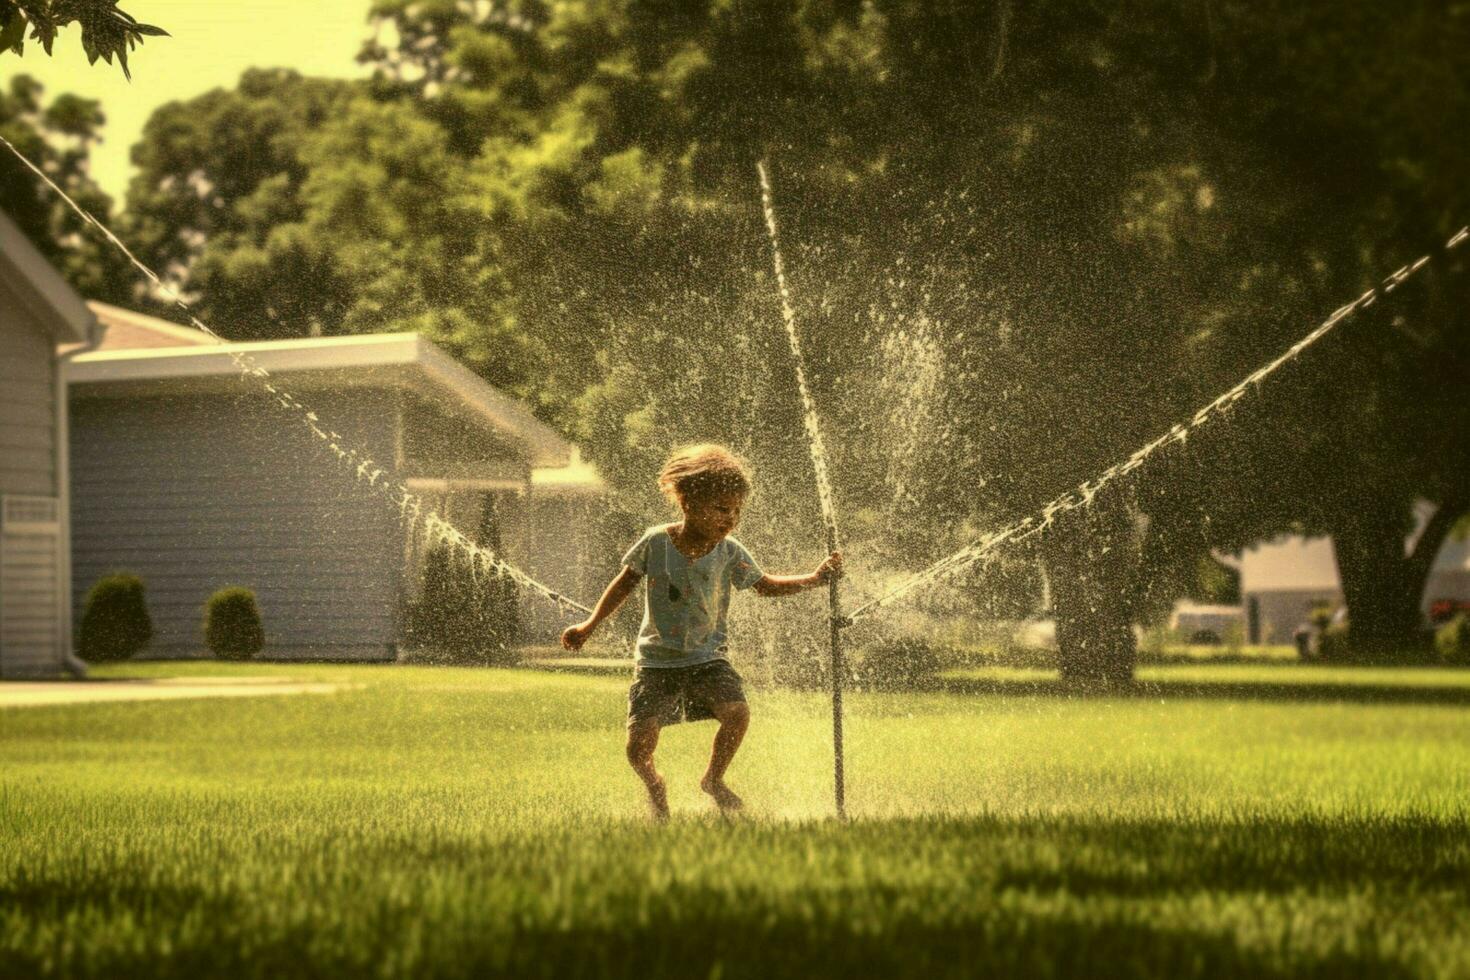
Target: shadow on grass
[[1232, 690], [735, 946], [1010, 897], [744, 947]]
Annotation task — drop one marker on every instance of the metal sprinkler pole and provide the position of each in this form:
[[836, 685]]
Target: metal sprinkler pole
[[824, 488], [839, 783]]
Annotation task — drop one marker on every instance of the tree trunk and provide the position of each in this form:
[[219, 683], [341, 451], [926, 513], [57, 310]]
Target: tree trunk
[[1092, 561], [1383, 585]]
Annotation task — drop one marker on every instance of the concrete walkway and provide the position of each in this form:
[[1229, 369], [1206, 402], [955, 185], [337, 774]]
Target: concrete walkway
[[29, 694], [583, 665]]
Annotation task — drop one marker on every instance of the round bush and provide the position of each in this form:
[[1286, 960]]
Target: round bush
[[115, 622], [463, 618], [1452, 641], [232, 627]]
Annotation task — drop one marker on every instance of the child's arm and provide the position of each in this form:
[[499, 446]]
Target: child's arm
[[612, 597], [771, 586]]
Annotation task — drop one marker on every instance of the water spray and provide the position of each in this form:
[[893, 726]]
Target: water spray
[[824, 488], [410, 506], [1082, 495]]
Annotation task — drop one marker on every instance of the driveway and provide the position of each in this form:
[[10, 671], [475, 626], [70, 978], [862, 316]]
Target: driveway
[[28, 694]]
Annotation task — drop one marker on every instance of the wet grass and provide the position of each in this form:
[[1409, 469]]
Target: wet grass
[[442, 822]]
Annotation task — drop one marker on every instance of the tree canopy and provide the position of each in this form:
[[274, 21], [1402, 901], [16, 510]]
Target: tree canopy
[[58, 135], [1023, 240]]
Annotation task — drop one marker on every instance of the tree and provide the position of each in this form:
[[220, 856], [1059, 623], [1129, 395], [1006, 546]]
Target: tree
[[218, 188], [1067, 228], [107, 32], [1148, 229], [1090, 563], [293, 206], [1360, 103], [58, 136]]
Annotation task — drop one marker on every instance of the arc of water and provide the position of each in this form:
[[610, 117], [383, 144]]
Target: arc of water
[[809, 407], [411, 507], [824, 485], [1082, 495]]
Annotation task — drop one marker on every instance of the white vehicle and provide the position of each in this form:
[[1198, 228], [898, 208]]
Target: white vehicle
[[1199, 623]]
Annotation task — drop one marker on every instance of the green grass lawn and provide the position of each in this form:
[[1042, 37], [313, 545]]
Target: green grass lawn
[[1218, 821]]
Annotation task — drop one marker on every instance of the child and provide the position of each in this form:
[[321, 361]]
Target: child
[[682, 669]]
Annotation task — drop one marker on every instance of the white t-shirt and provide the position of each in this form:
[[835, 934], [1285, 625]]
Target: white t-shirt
[[686, 601]]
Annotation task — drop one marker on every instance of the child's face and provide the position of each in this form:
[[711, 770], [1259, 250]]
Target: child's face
[[714, 516]]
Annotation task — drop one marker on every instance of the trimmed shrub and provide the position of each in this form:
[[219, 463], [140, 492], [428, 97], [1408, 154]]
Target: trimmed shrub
[[232, 628], [460, 618], [1452, 641], [115, 622]]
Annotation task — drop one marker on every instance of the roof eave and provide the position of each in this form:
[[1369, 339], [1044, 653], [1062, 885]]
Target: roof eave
[[403, 359], [55, 303], [546, 447]]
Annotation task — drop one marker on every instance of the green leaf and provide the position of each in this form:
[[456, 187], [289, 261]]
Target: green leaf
[[13, 34]]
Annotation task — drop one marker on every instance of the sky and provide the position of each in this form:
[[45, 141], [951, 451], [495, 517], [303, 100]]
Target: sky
[[212, 42]]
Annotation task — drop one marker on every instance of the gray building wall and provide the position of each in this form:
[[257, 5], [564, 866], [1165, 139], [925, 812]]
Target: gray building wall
[[197, 492], [31, 635], [1273, 617]]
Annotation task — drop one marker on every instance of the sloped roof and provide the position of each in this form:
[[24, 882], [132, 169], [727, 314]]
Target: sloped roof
[[126, 330], [403, 360], [41, 287]]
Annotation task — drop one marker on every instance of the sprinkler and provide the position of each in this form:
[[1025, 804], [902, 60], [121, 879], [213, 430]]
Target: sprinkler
[[824, 487]]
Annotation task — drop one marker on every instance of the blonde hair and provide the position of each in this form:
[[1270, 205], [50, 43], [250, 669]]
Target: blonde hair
[[703, 471]]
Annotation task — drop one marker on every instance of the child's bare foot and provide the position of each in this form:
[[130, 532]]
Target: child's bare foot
[[658, 801], [725, 797]]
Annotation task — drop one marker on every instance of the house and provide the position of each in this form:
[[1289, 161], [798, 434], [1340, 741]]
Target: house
[[38, 311], [1283, 580], [194, 478]]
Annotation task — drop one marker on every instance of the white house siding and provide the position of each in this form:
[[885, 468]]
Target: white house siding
[[27, 402], [196, 492], [30, 604], [31, 635]]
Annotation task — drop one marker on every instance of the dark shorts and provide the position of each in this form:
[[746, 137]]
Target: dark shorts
[[675, 694]]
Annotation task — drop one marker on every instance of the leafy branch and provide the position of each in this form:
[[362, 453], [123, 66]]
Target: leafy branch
[[106, 30]]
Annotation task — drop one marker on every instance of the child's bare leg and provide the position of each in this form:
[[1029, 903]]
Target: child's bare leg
[[642, 740], [734, 719]]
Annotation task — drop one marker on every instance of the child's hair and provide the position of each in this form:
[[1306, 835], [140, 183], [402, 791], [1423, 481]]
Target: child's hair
[[703, 471]]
